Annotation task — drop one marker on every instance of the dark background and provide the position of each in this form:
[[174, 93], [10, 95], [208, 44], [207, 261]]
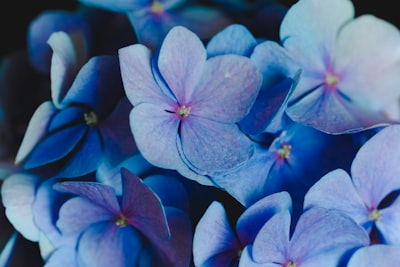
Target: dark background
[[16, 15]]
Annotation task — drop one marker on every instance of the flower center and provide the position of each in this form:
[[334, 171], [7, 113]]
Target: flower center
[[90, 118], [284, 151], [121, 221], [375, 215], [157, 7], [331, 80], [183, 111], [291, 263]]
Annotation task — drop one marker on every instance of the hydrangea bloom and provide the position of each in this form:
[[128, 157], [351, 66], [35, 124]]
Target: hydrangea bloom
[[189, 104], [368, 193], [349, 66], [81, 117]]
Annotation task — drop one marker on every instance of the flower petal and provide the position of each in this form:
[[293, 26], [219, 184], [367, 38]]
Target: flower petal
[[227, 89], [181, 68], [142, 207], [376, 164], [104, 244], [375, 255], [234, 39], [212, 146], [155, 132], [213, 236]]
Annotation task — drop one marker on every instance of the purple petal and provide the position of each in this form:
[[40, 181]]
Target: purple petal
[[176, 251], [137, 77], [336, 191], [236, 182], [331, 233], [256, 215], [333, 113], [181, 68], [104, 244], [149, 123], [118, 5], [227, 89], [247, 260], [36, 129], [213, 146], [375, 255], [267, 249], [213, 236], [375, 165], [100, 194], [18, 194], [142, 207], [234, 39], [77, 214]]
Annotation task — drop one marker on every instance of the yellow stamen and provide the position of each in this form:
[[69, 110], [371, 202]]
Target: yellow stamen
[[375, 215], [121, 221], [291, 264], [157, 7], [284, 151], [90, 118], [183, 111], [331, 80]]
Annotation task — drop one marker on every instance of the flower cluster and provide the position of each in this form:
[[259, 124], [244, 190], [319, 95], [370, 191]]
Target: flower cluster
[[202, 133]]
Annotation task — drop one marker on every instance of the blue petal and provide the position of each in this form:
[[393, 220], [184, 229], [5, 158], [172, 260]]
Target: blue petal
[[98, 85], [213, 236], [55, 146], [375, 255], [78, 214], [234, 39], [375, 165], [18, 195], [181, 68], [138, 79], [335, 190], [36, 130], [256, 215], [212, 146], [41, 28], [227, 89], [104, 244], [143, 208], [155, 132]]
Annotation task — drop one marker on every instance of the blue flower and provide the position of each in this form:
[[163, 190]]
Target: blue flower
[[319, 236], [349, 66], [367, 194], [215, 243], [186, 107], [83, 123], [375, 255]]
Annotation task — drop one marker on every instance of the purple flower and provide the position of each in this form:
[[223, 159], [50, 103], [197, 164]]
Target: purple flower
[[319, 236], [349, 66], [367, 193], [115, 230], [186, 107]]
